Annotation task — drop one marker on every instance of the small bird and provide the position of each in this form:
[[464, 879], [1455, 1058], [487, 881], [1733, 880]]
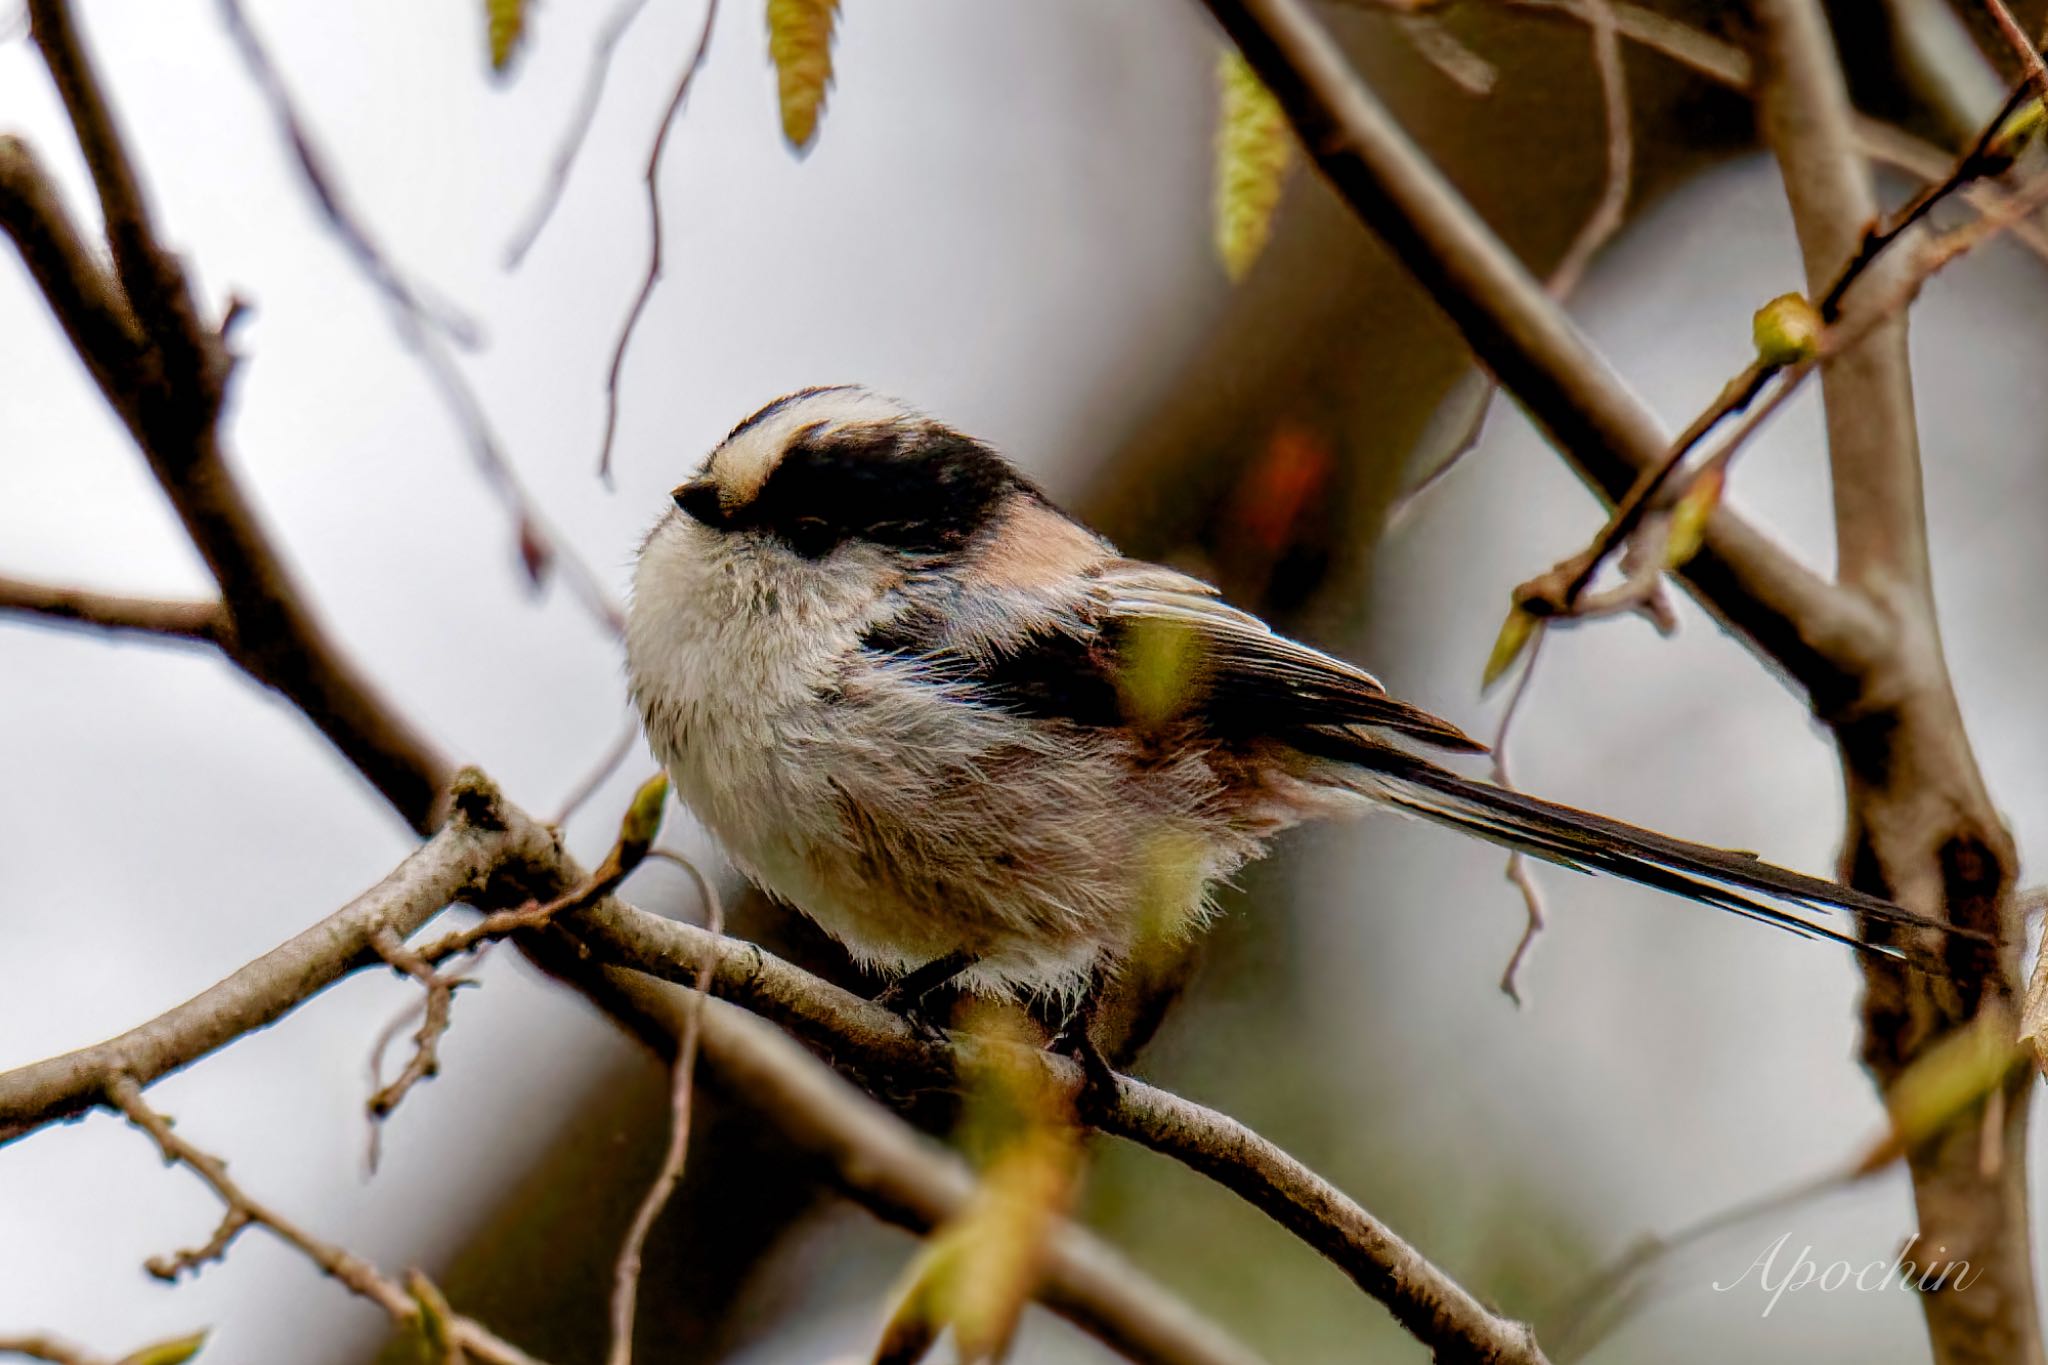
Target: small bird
[[955, 727]]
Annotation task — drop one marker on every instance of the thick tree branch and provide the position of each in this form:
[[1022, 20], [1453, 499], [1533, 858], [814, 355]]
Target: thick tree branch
[[277, 640], [877, 1044], [150, 276], [1788, 615], [491, 853], [1922, 828], [198, 621], [166, 381], [1873, 440]]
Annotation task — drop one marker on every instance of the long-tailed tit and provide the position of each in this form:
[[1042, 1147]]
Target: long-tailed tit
[[960, 731]]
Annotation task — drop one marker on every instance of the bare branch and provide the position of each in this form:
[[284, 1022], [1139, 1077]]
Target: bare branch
[[1922, 827], [342, 220], [421, 326], [454, 864], [652, 177], [877, 1042], [491, 850], [2022, 46], [195, 621], [1605, 219], [1813, 632], [346, 1268], [682, 1079], [598, 68], [275, 637], [152, 279]]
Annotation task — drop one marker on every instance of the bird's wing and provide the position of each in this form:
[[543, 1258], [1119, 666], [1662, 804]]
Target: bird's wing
[[1232, 671], [1147, 644]]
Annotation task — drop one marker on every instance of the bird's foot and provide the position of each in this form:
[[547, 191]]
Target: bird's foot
[[1098, 1094], [912, 1012]]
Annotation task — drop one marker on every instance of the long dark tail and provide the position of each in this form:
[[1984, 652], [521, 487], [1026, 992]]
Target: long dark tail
[[1738, 882]]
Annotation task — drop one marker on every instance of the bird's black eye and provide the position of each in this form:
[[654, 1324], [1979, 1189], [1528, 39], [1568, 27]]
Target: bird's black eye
[[812, 537]]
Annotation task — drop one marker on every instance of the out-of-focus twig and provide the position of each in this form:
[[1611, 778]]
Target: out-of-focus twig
[[344, 1267], [1519, 873], [656, 244], [1939, 62], [2023, 47], [682, 1082], [1600, 225], [1438, 46], [600, 772], [417, 323], [1728, 65], [594, 76], [1783, 610], [199, 622], [335, 210]]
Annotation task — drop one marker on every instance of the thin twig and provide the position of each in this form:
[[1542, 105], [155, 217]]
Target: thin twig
[[1611, 210], [420, 328], [1438, 46], [1518, 870], [1813, 633], [1605, 219], [440, 314], [682, 1073], [1558, 592], [652, 178], [1728, 65], [594, 76], [451, 865], [2023, 46], [199, 622], [346, 1268], [600, 773], [436, 1013]]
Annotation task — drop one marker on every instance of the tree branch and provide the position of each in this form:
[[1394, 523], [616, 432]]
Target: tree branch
[[166, 382], [278, 641], [877, 1044], [455, 863], [343, 1266], [197, 621], [1785, 613], [491, 853], [1922, 829]]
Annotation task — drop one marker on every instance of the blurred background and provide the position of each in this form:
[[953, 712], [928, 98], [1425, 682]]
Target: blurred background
[[1005, 219]]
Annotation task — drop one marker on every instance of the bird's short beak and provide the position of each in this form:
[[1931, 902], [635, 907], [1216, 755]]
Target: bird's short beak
[[699, 500]]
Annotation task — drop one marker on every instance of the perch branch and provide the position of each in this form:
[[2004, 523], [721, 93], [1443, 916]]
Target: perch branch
[[870, 1039]]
